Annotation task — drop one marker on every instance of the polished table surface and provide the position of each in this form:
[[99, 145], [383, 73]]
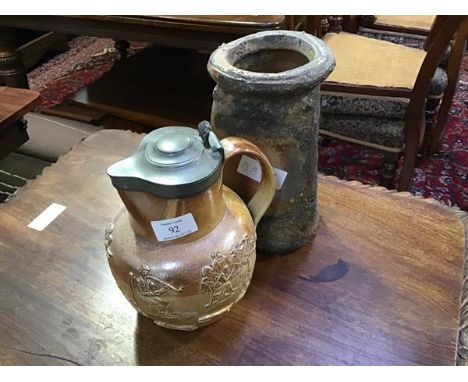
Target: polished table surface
[[14, 103], [380, 284]]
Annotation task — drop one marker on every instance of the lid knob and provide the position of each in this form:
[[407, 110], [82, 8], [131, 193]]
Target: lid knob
[[173, 143]]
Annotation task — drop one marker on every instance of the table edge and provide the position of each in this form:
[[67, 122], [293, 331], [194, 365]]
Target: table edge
[[462, 342], [33, 101]]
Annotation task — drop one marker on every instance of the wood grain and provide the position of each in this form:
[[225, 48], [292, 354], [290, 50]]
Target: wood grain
[[14, 103], [396, 301]]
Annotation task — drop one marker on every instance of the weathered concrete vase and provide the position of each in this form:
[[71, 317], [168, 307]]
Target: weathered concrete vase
[[268, 91]]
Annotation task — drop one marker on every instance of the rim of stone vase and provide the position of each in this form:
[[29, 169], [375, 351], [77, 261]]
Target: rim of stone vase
[[224, 68]]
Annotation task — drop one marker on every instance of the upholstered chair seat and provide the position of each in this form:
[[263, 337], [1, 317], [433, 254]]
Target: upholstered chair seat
[[368, 120], [402, 29], [421, 22], [375, 121], [370, 62]]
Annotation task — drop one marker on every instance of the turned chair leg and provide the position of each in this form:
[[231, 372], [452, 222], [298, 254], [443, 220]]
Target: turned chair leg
[[12, 67], [389, 168], [409, 159], [453, 68], [437, 135], [432, 103]]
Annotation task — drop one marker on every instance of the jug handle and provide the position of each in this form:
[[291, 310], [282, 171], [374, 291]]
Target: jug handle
[[266, 190]]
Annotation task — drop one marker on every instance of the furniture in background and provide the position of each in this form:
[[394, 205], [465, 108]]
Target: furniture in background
[[194, 33], [49, 138], [458, 46], [14, 104], [413, 31], [413, 24], [191, 32], [408, 30], [384, 95], [33, 51], [380, 284], [12, 68], [160, 86]]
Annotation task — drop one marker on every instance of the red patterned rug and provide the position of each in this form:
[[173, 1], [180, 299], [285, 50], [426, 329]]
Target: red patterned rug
[[443, 177]]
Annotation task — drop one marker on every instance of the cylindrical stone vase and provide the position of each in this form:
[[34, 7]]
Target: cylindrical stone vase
[[268, 92]]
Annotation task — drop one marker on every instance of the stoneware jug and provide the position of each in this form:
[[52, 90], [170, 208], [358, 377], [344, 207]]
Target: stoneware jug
[[268, 92], [182, 249]]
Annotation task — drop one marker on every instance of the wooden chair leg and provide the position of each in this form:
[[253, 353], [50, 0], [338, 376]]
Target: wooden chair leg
[[453, 68], [11, 61], [122, 47], [409, 163], [389, 167], [414, 119], [430, 113], [414, 130], [437, 135]]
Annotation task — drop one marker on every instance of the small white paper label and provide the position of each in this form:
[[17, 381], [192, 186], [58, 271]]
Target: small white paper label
[[170, 229], [280, 176], [252, 169], [46, 217]]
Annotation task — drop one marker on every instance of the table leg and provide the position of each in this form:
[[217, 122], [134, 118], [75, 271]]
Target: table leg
[[432, 103], [122, 47], [11, 137], [389, 168], [11, 61]]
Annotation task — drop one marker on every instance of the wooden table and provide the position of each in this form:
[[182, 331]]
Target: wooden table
[[192, 32], [14, 104], [380, 284]]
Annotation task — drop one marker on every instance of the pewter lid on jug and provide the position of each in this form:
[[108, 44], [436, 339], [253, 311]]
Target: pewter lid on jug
[[171, 162]]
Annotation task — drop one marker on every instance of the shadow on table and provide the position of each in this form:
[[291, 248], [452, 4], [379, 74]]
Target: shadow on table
[[217, 343]]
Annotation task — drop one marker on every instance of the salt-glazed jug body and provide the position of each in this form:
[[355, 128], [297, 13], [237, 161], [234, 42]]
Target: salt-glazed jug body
[[182, 248]]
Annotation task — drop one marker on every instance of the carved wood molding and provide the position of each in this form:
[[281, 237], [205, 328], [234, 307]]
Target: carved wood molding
[[47, 169], [11, 63], [462, 346]]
